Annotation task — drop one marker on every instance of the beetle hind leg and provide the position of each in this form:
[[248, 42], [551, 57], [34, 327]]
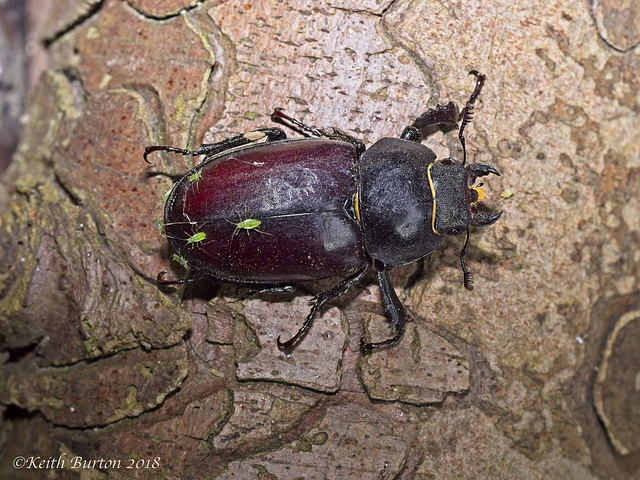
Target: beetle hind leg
[[161, 282], [393, 307], [271, 135], [324, 297], [208, 149]]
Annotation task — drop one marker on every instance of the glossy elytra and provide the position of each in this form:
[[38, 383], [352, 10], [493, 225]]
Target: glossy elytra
[[326, 206]]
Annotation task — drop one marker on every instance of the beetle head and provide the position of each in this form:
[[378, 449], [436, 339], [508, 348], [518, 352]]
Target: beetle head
[[457, 196]]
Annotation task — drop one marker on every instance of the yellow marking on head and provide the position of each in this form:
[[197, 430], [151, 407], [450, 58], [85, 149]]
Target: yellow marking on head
[[481, 193], [433, 195]]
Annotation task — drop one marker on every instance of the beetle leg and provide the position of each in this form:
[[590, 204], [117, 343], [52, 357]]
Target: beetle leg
[[393, 307], [272, 135], [155, 148], [467, 111], [321, 300], [279, 115], [316, 132], [447, 115], [208, 149], [162, 283]]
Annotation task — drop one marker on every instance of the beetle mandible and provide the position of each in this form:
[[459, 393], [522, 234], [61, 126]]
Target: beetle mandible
[[330, 208]]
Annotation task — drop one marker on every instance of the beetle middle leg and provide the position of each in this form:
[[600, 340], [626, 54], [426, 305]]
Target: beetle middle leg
[[321, 300], [392, 306], [336, 134]]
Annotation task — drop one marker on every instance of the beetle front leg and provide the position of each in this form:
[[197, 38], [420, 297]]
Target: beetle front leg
[[447, 115], [392, 306], [321, 300], [208, 149]]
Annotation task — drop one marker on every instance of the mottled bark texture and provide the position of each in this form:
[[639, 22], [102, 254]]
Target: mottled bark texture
[[532, 375]]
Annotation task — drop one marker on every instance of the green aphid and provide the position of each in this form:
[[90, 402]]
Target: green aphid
[[197, 237], [164, 199], [180, 260], [248, 224], [159, 226], [194, 177]]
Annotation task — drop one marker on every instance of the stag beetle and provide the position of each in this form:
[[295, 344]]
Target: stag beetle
[[267, 212]]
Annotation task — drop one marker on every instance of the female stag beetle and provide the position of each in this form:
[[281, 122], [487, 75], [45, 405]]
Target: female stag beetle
[[314, 208]]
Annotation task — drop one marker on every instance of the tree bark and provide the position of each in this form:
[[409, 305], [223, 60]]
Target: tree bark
[[531, 375]]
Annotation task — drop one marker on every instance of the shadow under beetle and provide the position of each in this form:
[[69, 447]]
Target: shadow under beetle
[[326, 207]]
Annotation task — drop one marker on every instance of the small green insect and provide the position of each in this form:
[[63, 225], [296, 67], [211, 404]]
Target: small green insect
[[194, 177], [159, 226], [180, 260], [164, 199], [248, 224], [197, 237]]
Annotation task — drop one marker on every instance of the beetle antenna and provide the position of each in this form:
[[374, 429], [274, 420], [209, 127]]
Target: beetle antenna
[[468, 278], [467, 111]]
